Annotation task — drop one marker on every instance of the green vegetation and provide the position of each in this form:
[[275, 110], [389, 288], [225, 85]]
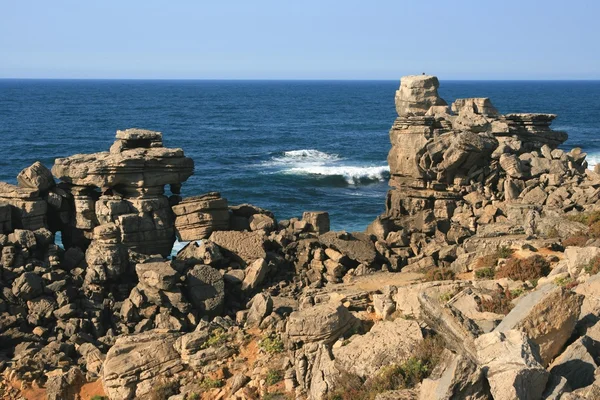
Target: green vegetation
[[271, 344], [216, 338], [273, 376], [279, 395], [593, 267], [504, 252], [209, 383], [530, 268], [406, 375], [192, 396], [98, 397], [439, 274], [485, 273], [566, 281], [163, 390], [445, 297], [516, 293], [498, 303], [592, 220]]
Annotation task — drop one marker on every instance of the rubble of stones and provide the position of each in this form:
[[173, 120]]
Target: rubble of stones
[[257, 308]]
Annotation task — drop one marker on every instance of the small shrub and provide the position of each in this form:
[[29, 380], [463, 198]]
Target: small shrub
[[439, 274], [578, 240], [516, 293], [504, 252], [163, 390], [271, 344], [567, 282], [209, 383], [593, 267], [275, 396], [98, 397], [425, 357], [498, 303], [273, 376], [530, 268], [485, 273], [552, 233], [192, 396], [487, 261], [445, 297], [216, 338]]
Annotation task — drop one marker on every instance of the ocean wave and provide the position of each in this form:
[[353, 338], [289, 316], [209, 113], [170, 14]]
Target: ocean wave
[[304, 156], [593, 159], [351, 174]]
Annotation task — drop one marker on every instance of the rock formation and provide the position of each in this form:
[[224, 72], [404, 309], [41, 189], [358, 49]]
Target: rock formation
[[480, 281]]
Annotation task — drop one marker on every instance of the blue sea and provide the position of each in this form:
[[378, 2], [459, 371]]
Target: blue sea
[[288, 146]]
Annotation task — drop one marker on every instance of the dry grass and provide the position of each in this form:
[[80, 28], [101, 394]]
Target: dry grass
[[393, 377], [499, 302], [439, 274], [527, 269]]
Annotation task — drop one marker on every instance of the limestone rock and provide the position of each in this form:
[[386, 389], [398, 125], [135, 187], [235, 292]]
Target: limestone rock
[[455, 377], [37, 177], [511, 365], [388, 342], [321, 323], [577, 363], [255, 274], [357, 247], [417, 93], [135, 363], [247, 246], [260, 306], [317, 221], [197, 217], [547, 316], [206, 289]]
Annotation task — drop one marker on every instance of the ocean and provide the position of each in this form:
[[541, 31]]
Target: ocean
[[287, 146]]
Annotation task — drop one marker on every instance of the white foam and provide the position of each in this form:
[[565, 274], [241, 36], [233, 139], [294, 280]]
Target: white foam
[[592, 159], [352, 174], [304, 156]]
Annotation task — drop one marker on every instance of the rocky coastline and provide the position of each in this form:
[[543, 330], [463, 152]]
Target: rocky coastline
[[478, 281]]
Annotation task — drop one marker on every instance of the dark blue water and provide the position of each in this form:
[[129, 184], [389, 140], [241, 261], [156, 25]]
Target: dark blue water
[[287, 146]]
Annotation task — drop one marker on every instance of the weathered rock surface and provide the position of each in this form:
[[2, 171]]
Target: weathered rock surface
[[511, 365], [547, 316], [136, 363], [197, 217], [321, 323], [387, 343]]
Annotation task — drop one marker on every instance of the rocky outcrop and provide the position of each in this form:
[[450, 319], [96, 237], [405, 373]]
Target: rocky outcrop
[[197, 217], [136, 363], [131, 180]]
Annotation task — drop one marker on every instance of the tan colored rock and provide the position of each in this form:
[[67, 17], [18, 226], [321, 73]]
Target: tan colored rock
[[136, 363], [247, 246], [547, 316], [417, 93], [511, 366], [37, 177], [197, 217], [320, 323], [387, 343], [455, 377]]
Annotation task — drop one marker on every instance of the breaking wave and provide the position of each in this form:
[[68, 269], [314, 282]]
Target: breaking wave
[[321, 165]]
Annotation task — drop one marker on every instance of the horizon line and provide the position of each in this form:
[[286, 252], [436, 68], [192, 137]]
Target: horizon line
[[297, 79]]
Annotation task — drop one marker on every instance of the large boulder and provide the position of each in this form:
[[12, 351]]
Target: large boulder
[[206, 290], [511, 366], [548, 316], [245, 246], [417, 93], [357, 246], [322, 323], [36, 176], [135, 363], [197, 217], [455, 377], [387, 343]]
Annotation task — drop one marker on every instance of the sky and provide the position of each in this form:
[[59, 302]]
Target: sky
[[304, 39]]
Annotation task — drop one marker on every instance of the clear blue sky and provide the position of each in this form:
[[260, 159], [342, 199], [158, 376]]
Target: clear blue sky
[[302, 39]]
